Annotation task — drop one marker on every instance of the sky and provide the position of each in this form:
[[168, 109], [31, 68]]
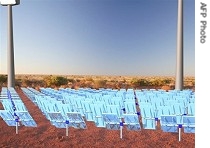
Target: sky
[[98, 37]]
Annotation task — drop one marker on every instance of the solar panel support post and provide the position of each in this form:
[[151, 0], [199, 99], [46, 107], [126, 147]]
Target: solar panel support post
[[16, 120], [121, 132], [179, 50], [67, 130], [121, 128], [16, 127], [156, 122], [180, 134]]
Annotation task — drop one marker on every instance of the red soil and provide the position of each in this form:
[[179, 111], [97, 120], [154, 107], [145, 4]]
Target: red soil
[[46, 135]]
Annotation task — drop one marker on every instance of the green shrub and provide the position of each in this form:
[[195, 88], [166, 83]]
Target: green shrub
[[139, 82], [3, 78], [55, 81]]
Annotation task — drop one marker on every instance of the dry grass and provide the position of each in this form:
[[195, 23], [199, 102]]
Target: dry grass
[[115, 82]]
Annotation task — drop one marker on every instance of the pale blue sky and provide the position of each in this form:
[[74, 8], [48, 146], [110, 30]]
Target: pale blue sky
[[98, 37]]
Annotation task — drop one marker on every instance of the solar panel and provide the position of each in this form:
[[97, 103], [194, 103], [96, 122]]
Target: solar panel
[[76, 120], [148, 117], [130, 107], [166, 110], [11, 122], [29, 123], [158, 111], [8, 118], [189, 124], [97, 110], [147, 112], [168, 123], [20, 107], [26, 118], [114, 109], [64, 108], [88, 111], [149, 123], [191, 109], [112, 122], [57, 119], [132, 121]]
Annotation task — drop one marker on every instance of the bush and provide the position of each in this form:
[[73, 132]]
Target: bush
[[55, 81], [89, 79], [3, 79], [156, 82], [100, 83], [139, 82], [71, 80]]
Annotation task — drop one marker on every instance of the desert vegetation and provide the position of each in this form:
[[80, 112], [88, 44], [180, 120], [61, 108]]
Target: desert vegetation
[[96, 82]]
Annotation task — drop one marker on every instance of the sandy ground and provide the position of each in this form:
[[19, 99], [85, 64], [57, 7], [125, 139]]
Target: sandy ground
[[48, 136]]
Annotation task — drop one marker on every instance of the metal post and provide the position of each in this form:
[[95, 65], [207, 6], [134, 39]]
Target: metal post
[[67, 130], [121, 128], [16, 120], [179, 134], [121, 132], [16, 127], [10, 66], [179, 59]]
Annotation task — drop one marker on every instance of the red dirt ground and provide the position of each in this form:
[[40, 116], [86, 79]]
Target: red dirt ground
[[48, 136]]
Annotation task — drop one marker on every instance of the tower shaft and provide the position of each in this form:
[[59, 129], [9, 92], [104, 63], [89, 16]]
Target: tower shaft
[[179, 54], [10, 51]]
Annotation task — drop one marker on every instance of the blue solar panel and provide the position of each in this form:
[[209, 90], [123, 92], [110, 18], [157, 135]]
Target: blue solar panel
[[189, 124], [130, 107], [147, 112], [5, 114], [88, 111], [97, 110], [11, 122], [76, 120], [191, 109], [57, 119], [29, 123], [169, 123], [112, 121], [149, 123], [8, 117], [114, 109], [132, 121], [26, 118]]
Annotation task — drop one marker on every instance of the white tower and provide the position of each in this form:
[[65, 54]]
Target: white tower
[[179, 54], [10, 44]]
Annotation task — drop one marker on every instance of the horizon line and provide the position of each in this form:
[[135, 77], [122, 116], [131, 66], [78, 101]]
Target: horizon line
[[98, 75]]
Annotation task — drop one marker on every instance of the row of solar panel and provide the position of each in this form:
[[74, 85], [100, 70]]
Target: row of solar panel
[[106, 120], [97, 95], [86, 107], [153, 110], [169, 123], [156, 111], [160, 100], [148, 117], [176, 109], [110, 120], [14, 109]]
